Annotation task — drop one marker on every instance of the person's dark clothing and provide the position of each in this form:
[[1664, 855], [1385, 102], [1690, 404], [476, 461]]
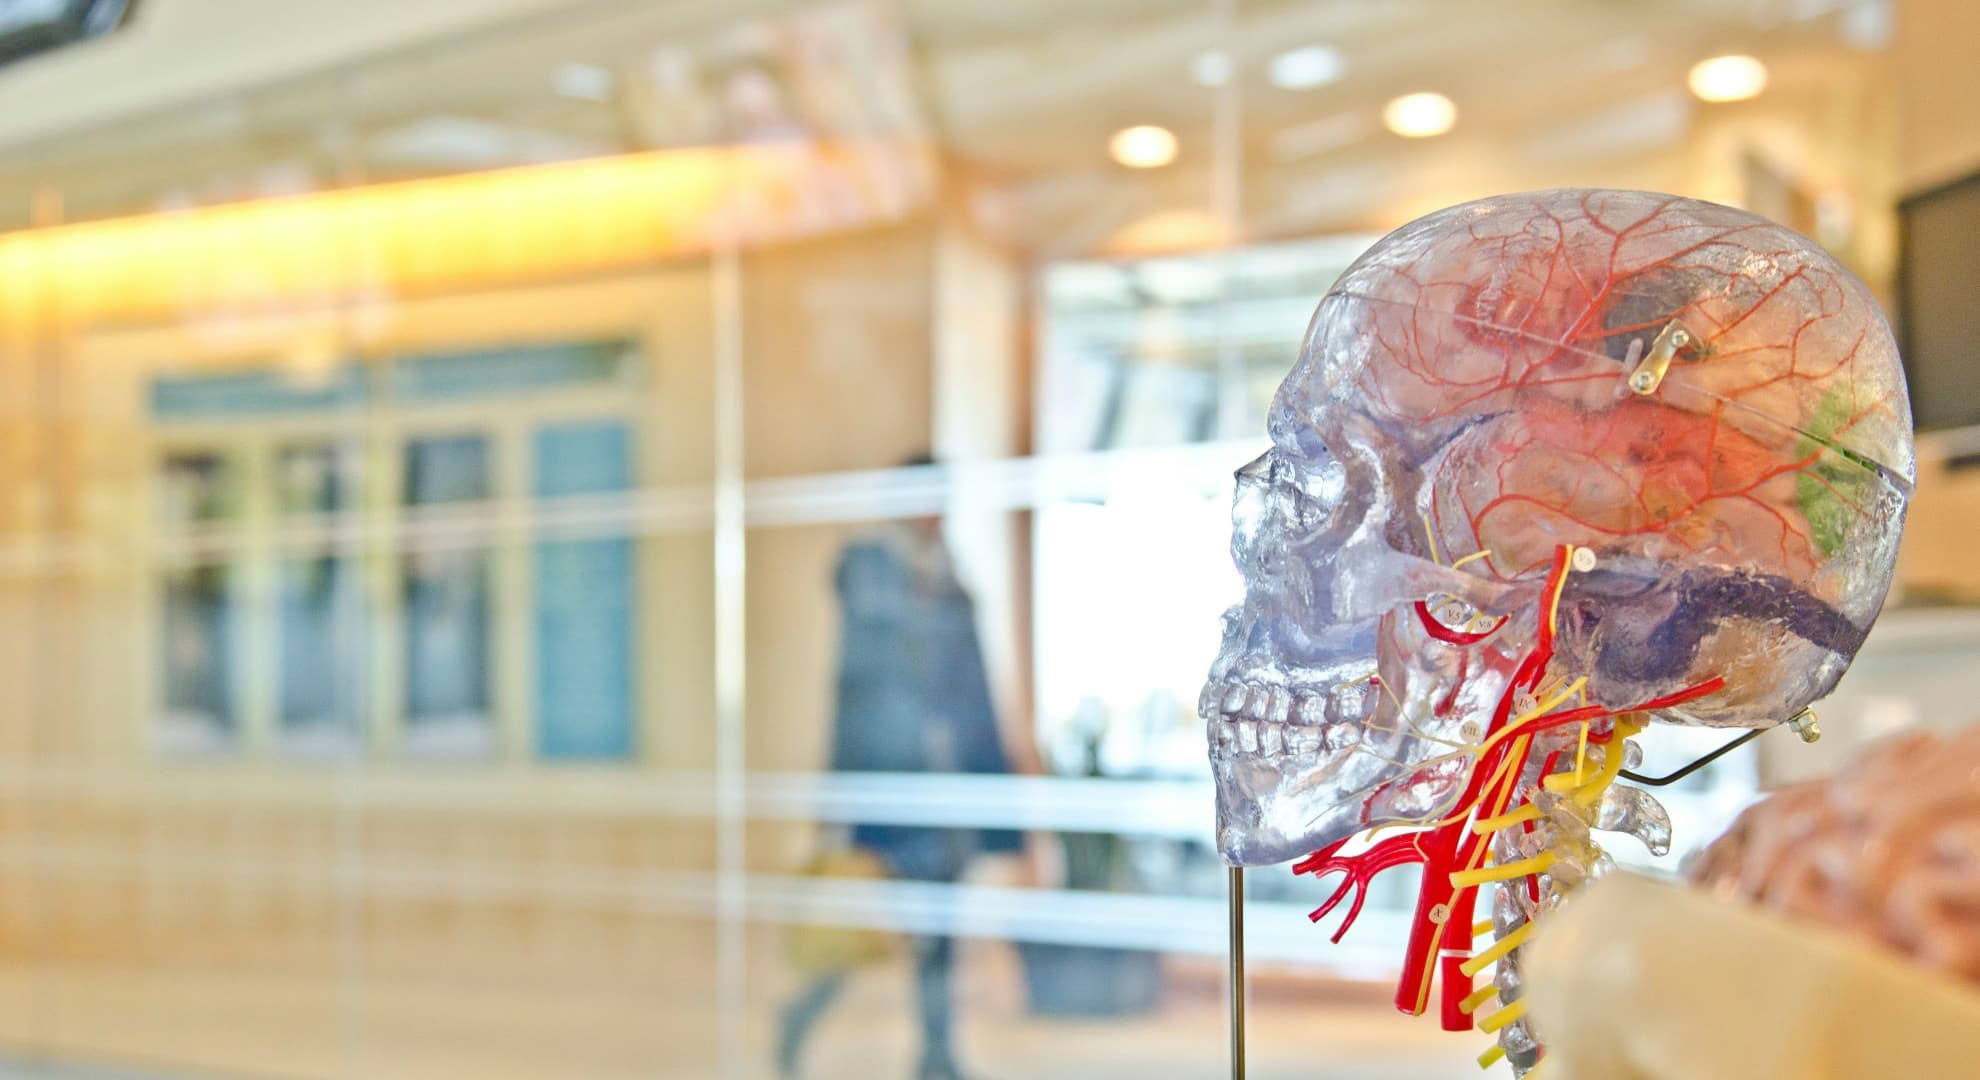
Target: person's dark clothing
[[912, 696]]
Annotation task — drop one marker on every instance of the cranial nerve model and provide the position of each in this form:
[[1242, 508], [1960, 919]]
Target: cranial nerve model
[[1551, 466]]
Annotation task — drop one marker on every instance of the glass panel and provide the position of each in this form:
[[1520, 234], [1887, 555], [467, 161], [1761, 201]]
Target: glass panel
[[875, 706], [585, 591], [200, 624], [474, 604], [1116, 660], [254, 394], [320, 617], [448, 608], [504, 372], [1177, 348], [1055, 870]]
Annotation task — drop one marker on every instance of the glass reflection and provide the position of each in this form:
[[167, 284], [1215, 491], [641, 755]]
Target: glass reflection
[[320, 619], [447, 607], [364, 456], [198, 629], [911, 696]]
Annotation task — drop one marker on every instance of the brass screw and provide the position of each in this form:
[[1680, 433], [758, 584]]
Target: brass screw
[[1805, 726]]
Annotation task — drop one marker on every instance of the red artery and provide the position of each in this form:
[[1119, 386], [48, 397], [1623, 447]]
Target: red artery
[[1441, 926], [1441, 850], [1435, 628], [1357, 870]]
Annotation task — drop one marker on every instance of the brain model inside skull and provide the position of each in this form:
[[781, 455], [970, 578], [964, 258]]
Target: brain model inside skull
[[1550, 466], [1888, 850]]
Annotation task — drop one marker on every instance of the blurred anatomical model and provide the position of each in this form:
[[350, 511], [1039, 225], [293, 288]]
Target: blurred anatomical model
[[1832, 934]]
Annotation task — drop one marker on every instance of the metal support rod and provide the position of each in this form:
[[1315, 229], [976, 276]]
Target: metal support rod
[[1237, 972]]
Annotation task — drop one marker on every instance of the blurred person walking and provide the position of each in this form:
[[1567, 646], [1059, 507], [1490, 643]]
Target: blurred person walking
[[912, 696]]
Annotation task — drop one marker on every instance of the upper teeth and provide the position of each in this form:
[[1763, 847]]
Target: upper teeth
[[1271, 720]]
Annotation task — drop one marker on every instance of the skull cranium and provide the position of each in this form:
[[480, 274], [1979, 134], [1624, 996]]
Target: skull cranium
[[1706, 402]]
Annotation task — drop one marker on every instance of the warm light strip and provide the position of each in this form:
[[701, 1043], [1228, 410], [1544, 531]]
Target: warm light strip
[[485, 228]]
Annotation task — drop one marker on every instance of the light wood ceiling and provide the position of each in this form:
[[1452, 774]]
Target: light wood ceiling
[[1020, 96]]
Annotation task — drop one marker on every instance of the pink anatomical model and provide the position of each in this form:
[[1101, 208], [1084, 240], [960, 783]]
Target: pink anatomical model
[[1833, 933], [1888, 850], [1550, 466]]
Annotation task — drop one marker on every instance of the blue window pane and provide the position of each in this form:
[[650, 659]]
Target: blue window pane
[[321, 676], [320, 679], [584, 617], [254, 395], [448, 606], [507, 372], [197, 655], [444, 469], [199, 616], [412, 380]]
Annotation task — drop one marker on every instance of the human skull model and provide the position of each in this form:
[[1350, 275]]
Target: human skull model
[[1549, 465]]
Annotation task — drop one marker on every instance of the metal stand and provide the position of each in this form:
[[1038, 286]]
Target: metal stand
[[1237, 972]]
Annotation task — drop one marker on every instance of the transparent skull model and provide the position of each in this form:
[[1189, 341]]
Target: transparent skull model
[[1550, 465]]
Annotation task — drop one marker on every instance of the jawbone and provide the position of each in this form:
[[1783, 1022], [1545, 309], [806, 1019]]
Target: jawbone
[[1293, 775], [1273, 810]]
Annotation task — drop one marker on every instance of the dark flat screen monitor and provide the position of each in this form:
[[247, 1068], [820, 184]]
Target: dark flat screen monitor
[[1939, 303]]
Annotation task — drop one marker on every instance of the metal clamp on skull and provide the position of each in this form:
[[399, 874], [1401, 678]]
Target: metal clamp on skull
[[1649, 375]]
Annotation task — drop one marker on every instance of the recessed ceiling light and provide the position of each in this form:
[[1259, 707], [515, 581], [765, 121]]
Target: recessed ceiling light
[[586, 81], [1419, 116], [1306, 67], [1728, 78], [1144, 146], [1211, 68]]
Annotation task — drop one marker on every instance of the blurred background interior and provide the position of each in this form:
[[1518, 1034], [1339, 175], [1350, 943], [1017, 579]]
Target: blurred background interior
[[459, 488]]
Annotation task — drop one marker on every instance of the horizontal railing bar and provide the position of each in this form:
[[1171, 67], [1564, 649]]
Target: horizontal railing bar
[[1278, 932], [1010, 484], [1179, 809]]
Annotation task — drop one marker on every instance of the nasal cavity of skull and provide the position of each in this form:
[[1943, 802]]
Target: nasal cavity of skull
[[1291, 510], [1274, 495]]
